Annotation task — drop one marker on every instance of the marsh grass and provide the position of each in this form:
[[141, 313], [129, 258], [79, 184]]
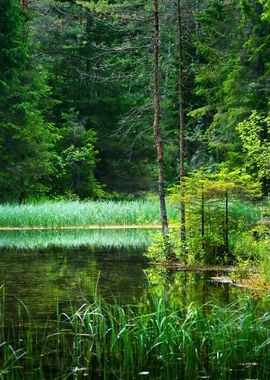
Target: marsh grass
[[83, 214], [246, 212], [156, 340], [47, 239]]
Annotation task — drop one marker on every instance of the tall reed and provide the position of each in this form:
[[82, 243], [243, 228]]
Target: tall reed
[[155, 340], [83, 214]]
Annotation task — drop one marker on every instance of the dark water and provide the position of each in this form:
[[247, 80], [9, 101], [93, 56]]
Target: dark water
[[46, 279], [41, 277]]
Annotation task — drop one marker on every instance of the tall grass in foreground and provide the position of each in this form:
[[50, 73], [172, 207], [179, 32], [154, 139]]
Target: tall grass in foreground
[[83, 214], [156, 340]]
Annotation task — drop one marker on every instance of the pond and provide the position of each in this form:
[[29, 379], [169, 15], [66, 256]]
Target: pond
[[47, 268], [45, 273]]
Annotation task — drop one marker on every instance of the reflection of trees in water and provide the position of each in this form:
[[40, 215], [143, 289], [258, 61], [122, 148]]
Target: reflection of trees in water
[[43, 279], [121, 275], [187, 287], [50, 277]]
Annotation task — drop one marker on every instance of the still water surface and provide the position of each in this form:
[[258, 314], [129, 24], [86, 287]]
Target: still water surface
[[47, 270]]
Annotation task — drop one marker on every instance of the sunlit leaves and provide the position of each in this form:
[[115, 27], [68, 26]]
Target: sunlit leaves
[[255, 135]]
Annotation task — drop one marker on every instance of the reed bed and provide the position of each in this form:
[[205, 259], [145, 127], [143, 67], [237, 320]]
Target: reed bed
[[249, 213], [69, 239], [154, 341], [83, 214]]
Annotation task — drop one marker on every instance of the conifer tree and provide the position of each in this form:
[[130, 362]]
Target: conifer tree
[[156, 131], [25, 138], [232, 74]]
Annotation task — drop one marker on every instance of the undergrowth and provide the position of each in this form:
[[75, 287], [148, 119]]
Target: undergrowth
[[157, 340]]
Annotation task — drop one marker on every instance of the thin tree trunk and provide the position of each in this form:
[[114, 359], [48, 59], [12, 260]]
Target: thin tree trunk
[[203, 217], [227, 222], [89, 29], [260, 65], [24, 3], [157, 137], [181, 121]]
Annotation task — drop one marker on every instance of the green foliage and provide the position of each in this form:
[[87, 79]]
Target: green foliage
[[264, 261], [266, 9], [76, 88], [77, 158], [251, 248], [231, 74], [166, 341], [255, 133], [203, 185], [88, 50], [217, 217], [26, 139], [189, 253]]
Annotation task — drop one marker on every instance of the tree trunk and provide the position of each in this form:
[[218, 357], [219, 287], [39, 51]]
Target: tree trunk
[[227, 222], [203, 217], [157, 137], [24, 3], [181, 122], [260, 66], [89, 29]]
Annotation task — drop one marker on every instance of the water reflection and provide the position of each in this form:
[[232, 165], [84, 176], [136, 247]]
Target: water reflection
[[49, 277], [46, 276], [47, 281], [194, 286], [77, 238]]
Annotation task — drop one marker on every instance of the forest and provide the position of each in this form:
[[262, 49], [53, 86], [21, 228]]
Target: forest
[[77, 95], [134, 133]]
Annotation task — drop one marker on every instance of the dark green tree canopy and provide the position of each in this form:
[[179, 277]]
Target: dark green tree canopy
[[76, 107]]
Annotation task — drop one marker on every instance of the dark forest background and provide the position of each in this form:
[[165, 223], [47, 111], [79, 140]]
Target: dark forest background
[[76, 95]]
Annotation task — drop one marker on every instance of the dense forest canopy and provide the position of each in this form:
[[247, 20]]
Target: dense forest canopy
[[76, 94]]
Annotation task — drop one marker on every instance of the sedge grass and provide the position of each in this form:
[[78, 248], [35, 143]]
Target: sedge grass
[[247, 212], [162, 341], [83, 214]]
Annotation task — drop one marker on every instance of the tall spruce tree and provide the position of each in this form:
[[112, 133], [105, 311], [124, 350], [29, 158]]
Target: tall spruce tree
[[97, 55], [232, 74], [25, 138], [156, 128]]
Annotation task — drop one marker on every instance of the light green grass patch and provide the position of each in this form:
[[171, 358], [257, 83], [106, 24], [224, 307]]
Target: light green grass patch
[[57, 238], [83, 214]]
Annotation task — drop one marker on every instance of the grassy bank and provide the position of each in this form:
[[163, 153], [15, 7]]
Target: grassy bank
[[219, 235], [83, 214], [157, 341]]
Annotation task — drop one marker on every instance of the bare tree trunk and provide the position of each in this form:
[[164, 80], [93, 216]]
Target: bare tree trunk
[[227, 222], [25, 3], [203, 217], [157, 137], [89, 29], [181, 121]]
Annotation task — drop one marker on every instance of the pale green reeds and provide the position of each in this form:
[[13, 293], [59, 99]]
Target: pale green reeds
[[247, 212], [83, 214], [157, 340]]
